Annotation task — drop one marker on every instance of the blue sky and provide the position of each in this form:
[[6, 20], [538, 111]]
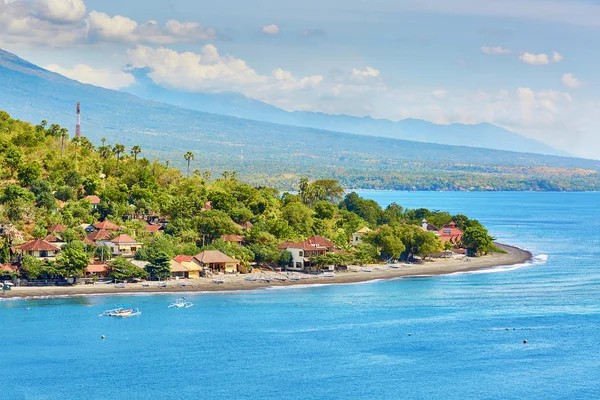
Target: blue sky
[[527, 65]]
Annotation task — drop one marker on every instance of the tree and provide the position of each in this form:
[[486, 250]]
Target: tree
[[477, 241], [28, 173], [73, 260], [189, 156], [39, 232], [160, 267], [135, 150], [285, 258], [118, 150], [123, 270], [387, 240], [32, 267], [299, 217], [103, 252]]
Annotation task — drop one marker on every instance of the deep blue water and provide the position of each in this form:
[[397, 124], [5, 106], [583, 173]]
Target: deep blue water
[[348, 341]]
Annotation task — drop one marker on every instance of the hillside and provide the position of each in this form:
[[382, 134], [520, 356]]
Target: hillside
[[237, 105], [275, 154]]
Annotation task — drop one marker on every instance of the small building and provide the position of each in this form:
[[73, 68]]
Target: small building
[[88, 228], [107, 226], [152, 228], [123, 245], [8, 270], [56, 241], [98, 236], [321, 241], [302, 253], [57, 229], [39, 248], [427, 227], [97, 269], [358, 234], [237, 239], [217, 261], [451, 233], [193, 267], [178, 270], [93, 200]]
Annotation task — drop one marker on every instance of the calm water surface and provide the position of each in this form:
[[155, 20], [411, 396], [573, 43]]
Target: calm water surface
[[349, 341]]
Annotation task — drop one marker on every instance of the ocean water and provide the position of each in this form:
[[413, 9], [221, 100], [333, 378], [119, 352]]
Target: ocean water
[[424, 338]]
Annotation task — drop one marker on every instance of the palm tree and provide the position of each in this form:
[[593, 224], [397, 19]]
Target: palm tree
[[206, 175], [135, 150], [103, 140], [118, 149], [167, 163], [188, 157], [225, 174], [63, 136]]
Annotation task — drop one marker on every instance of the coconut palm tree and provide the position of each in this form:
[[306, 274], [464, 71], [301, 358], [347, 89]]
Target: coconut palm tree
[[63, 136], [135, 150], [188, 157], [118, 150]]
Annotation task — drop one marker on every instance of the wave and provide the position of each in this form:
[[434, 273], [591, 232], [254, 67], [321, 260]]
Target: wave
[[536, 260]]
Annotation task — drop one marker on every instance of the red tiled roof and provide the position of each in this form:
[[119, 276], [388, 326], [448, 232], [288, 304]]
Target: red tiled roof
[[123, 239], [214, 257], [8, 268], [99, 235], [306, 246], [97, 268], [93, 199], [321, 241], [152, 228], [51, 239], [232, 238], [90, 242], [181, 259], [38, 245], [58, 228], [107, 225]]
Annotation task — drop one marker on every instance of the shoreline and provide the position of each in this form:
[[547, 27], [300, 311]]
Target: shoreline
[[234, 283]]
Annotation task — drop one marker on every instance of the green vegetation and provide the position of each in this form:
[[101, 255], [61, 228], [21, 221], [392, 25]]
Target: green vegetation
[[45, 178]]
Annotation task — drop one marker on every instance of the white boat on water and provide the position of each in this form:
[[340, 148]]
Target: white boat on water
[[108, 313], [131, 312], [181, 303]]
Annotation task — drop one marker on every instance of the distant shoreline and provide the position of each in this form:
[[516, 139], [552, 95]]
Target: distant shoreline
[[234, 283]]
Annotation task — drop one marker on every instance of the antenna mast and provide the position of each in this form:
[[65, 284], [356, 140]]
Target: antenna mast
[[78, 127]]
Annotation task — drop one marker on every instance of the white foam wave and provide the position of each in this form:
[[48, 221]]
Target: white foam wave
[[536, 260]]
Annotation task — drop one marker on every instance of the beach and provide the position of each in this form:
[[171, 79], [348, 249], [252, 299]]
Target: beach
[[513, 256]]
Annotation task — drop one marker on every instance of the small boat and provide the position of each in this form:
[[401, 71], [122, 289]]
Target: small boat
[[395, 266], [366, 269], [218, 281], [295, 278], [281, 278], [328, 275], [105, 282], [146, 284], [181, 303], [250, 278], [184, 283], [120, 286], [131, 312], [161, 284], [109, 313]]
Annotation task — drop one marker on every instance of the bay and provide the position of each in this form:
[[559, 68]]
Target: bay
[[429, 337]]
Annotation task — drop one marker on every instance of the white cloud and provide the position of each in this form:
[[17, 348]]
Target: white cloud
[[535, 59], [570, 81], [270, 29], [556, 57], [494, 50], [439, 94], [60, 10], [122, 29], [368, 72], [99, 77]]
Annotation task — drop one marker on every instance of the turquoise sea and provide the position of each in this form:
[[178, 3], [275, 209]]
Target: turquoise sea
[[423, 338]]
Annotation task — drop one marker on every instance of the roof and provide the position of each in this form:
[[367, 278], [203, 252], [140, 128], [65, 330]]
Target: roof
[[8, 268], [152, 228], [52, 239], [95, 268], [232, 238], [124, 239], [430, 227], [87, 226], [177, 267], [363, 230], [58, 228], [181, 259], [306, 246], [38, 245], [89, 241], [99, 235], [321, 241], [214, 257], [107, 225], [93, 199], [247, 225], [139, 263]]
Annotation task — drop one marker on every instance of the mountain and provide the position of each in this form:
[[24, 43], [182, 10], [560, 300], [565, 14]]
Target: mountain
[[237, 105], [263, 151]]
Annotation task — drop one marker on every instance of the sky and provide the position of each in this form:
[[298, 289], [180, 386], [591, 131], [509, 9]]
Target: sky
[[527, 65]]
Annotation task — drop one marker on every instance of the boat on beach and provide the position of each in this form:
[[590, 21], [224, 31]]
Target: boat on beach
[[181, 303], [328, 275]]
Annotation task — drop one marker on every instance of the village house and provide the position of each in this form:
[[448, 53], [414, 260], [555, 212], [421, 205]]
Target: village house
[[321, 241], [427, 227], [55, 240], [237, 239], [451, 233], [152, 228], [178, 271], [57, 230], [96, 269], [123, 245], [93, 200], [358, 234], [217, 261], [107, 226], [88, 228], [302, 253], [98, 236], [189, 262], [40, 249]]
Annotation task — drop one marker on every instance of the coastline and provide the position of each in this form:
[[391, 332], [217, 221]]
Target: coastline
[[234, 283]]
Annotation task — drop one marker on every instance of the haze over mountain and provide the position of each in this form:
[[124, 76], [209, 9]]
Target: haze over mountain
[[266, 151], [235, 104]]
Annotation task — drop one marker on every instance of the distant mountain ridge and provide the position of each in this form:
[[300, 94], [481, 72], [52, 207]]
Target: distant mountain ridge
[[483, 135]]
